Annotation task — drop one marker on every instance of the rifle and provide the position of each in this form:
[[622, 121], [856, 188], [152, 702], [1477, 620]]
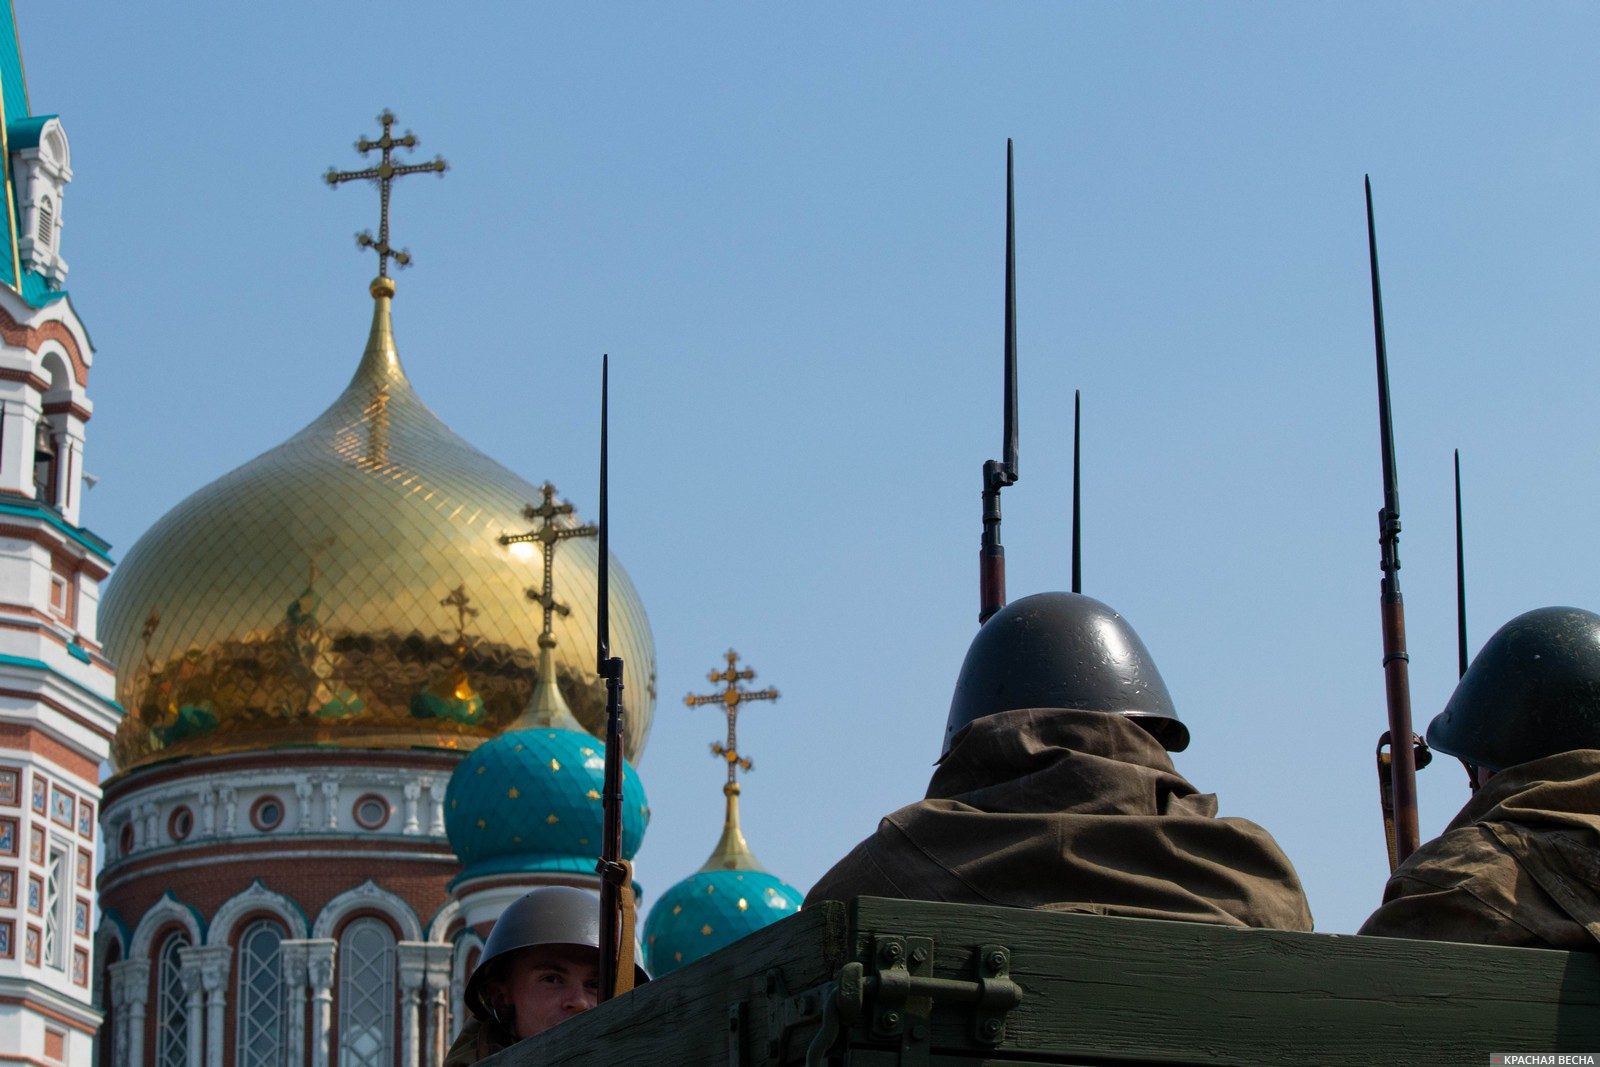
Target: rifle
[[617, 912], [1397, 768], [997, 474]]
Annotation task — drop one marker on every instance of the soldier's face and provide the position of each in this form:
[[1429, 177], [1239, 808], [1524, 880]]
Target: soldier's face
[[545, 985]]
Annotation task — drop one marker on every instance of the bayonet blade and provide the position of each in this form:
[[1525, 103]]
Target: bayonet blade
[[1008, 456], [603, 609], [1077, 528], [1461, 579]]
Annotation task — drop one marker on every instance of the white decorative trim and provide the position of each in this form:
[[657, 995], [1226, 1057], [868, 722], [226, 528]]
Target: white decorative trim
[[166, 910], [368, 895], [466, 941], [439, 925], [256, 898], [109, 933]]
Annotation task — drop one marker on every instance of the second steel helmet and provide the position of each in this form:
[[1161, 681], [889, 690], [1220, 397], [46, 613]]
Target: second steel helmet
[[1063, 650], [1532, 691], [549, 915]]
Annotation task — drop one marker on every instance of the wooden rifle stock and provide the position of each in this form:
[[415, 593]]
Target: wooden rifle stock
[[616, 874], [1402, 753]]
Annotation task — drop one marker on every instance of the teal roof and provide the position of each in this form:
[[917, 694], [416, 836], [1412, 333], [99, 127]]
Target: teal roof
[[23, 507], [711, 910], [25, 133], [14, 100], [21, 124], [530, 801]]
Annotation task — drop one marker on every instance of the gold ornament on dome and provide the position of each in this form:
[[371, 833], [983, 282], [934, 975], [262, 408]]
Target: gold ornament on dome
[[297, 600], [732, 852]]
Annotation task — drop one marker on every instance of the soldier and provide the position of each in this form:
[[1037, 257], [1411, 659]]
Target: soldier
[[540, 967], [1520, 864], [1055, 791]]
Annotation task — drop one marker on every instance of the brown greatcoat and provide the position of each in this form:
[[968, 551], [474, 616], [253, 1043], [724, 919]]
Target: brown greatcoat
[[1520, 865], [1072, 811], [478, 1040]]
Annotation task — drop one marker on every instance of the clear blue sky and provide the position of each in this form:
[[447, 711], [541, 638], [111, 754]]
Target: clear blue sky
[[784, 222]]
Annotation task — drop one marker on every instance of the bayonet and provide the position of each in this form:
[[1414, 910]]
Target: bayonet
[[1461, 579], [616, 874], [1402, 760], [997, 474], [1077, 528]]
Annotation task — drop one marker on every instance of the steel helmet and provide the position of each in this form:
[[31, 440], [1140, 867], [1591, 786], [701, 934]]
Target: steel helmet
[[1062, 650], [549, 915], [1532, 691]]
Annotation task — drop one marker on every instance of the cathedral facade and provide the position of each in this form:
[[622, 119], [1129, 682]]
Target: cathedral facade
[[338, 708]]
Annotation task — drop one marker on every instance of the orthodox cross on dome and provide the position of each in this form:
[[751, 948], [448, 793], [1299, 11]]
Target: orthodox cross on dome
[[385, 172], [730, 698], [459, 600], [548, 535]]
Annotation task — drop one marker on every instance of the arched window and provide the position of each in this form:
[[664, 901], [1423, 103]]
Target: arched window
[[366, 995], [260, 996], [171, 1017]]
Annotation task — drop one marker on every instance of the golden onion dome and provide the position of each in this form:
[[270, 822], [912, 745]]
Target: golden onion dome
[[348, 588]]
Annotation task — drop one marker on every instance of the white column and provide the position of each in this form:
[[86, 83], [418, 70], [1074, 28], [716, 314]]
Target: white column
[[194, 994], [436, 788], [230, 807], [413, 791], [437, 1003], [69, 478], [320, 953], [302, 793], [330, 804], [292, 954], [413, 960], [208, 812], [152, 831], [213, 962], [22, 411], [133, 976]]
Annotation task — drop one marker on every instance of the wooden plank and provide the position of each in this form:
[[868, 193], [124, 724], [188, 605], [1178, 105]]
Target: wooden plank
[[1116, 990], [682, 1020], [1102, 991]]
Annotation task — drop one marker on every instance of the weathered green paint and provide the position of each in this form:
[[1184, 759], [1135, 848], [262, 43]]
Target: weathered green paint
[[1100, 990]]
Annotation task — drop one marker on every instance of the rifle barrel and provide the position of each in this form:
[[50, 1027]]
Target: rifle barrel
[[1396, 669]]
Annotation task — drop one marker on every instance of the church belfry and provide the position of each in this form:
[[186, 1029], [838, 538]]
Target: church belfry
[[57, 712]]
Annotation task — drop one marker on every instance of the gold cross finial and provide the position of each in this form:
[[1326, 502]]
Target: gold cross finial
[[730, 698], [384, 173], [548, 535]]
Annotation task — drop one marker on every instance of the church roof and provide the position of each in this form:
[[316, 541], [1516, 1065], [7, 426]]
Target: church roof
[[21, 124]]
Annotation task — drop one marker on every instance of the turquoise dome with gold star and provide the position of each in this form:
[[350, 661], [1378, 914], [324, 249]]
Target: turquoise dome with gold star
[[731, 896], [530, 801]]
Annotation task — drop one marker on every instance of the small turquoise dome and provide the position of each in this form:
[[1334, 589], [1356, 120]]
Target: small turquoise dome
[[711, 909], [530, 800]]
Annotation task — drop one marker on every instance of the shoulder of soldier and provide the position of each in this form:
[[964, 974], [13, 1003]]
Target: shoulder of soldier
[[476, 1041]]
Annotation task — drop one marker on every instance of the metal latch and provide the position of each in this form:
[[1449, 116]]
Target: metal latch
[[902, 991]]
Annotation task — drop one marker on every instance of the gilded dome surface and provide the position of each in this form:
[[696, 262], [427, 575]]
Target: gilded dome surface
[[348, 588]]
